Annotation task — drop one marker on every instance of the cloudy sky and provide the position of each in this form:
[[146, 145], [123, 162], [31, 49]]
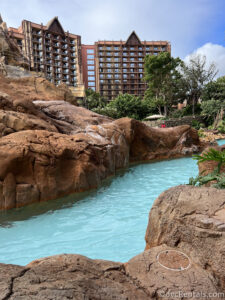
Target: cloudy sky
[[190, 25]]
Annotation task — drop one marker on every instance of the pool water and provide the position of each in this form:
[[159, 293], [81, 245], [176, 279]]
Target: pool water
[[108, 223]]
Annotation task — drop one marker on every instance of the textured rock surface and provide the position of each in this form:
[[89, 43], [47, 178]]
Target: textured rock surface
[[209, 166], [192, 220], [47, 165], [32, 88]]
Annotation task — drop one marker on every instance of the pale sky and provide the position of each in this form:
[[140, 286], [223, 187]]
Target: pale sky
[[190, 25]]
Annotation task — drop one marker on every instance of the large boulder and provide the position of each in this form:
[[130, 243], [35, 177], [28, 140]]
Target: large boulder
[[47, 165], [192, 220], [78, 277]]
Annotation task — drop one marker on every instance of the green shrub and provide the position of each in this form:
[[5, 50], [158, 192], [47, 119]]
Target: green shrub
[[201, 133], [195, 124], [221, 127]]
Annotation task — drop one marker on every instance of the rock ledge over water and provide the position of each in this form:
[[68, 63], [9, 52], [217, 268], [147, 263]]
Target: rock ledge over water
[[50, 149]]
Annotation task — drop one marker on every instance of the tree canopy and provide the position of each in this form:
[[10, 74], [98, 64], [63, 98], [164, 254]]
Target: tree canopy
[[162, 77]]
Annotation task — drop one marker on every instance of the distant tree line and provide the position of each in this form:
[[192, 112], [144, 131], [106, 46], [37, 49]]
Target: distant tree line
[[169, 81]]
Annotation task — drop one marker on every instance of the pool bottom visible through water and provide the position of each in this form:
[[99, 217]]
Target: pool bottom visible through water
[[108, 223]]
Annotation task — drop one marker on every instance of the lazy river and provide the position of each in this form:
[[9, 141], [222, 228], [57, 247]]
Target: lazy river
[[108, 223]]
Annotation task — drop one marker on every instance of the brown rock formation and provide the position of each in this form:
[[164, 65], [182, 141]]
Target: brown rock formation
[[209, 166], [47, 165], [32, 88], [191, 220]]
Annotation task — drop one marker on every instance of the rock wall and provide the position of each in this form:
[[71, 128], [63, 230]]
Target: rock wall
[[50, 149]]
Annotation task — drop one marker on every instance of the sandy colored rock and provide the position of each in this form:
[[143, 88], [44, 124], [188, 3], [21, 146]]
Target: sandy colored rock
[[209, 166], [35, 88], [9, 191], [191, 219], [11, 121]]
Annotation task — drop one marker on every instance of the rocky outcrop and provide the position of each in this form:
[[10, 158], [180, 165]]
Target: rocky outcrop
[[209, 166], [35, 88], [184, 258], [192, 220], [9, 48], [46, 164]]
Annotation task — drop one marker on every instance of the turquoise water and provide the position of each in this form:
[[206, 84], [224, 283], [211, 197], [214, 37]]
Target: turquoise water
[[108, 223]]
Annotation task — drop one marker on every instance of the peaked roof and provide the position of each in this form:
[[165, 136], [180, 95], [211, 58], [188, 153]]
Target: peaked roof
[[54, 25], [133, 39]]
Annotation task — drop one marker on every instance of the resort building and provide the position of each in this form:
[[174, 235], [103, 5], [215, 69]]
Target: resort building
[[89, 66], [52, 51], [118, 66]]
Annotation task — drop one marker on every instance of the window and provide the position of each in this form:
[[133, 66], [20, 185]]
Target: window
[[163, 48], [91, 67], [116, 65], [100, 59], [108, 59], [108, 65], [93, 88], [116, 59], [109, 76], [91, 73], [100, 53], [132, 70], [155, 48], [155, 53], [139, 53], [140, 65], [109, 53], [90, 56], [140, 70], [124, 59], [132, 65], [90, 51], [90, 62], [139, 48], [91, 83], [125, 53], [91, 78], [101, 65], [124, 75], [108, 48], [139, 58], [116, 53], [116, 75], [124, 70], [109, 70], [132, 59], [101, 81], [140, 75], [131, 48], [100, 48], [147, 48], [101, 76], [116, 70], [132, 53], [116, 48], [124, 65]]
